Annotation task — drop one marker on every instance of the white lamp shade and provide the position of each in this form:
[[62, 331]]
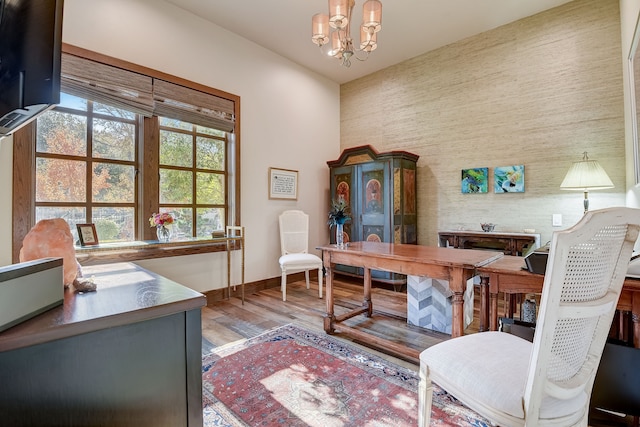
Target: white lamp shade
[[372, 15], [338, 13], [586, 175], [320, 28]]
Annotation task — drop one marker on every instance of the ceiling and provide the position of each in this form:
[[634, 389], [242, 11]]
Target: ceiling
[[409, 27]]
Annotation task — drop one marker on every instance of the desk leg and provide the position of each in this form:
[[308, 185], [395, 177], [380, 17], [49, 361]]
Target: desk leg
[[635, 318], [493, 303], [493, 317], [484, 303], [458, 286], [329, 317], [367, 303]]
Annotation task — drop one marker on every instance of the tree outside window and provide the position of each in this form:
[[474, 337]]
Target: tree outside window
[[85, 167], [193, 177]]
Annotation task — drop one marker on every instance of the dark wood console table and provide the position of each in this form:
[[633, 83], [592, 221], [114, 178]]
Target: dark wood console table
[[126, 355], [509, 243]]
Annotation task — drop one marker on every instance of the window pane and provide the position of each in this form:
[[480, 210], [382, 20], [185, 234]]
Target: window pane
[[113, 140], [113, 183], [209, 188], [73, 216], [112, 111], [175, 186], [209, 153], [182, 226], [210, 131], [176, 149], [60, 180], [114, 224], [175, 123], [209, 220], [70, 101], [62, 133]]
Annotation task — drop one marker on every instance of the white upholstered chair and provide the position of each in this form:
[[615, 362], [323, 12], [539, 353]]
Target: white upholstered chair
[[547, 382], [294, 243]]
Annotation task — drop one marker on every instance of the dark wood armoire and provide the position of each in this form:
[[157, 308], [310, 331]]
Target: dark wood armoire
[[380, 189]]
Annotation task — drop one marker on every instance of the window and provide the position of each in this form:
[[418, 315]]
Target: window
[[192, 177], [86, 162], [126, 142]]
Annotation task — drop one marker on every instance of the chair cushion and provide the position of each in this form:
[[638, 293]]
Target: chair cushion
[[300, 261], [491, 368]]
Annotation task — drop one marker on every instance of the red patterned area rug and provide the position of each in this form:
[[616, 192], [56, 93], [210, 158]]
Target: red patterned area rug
[[290, 376]]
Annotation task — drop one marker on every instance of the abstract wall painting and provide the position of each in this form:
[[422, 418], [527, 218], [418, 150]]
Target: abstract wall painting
[[475, 180], [508, 179]]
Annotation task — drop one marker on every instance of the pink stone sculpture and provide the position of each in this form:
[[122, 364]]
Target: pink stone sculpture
[[51, 238]]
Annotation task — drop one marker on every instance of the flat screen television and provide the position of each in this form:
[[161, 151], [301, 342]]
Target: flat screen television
[[30, 51]]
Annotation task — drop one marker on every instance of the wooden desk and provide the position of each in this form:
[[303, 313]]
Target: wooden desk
[[454, 265], [128, 354], [506, 275], [509, 243]]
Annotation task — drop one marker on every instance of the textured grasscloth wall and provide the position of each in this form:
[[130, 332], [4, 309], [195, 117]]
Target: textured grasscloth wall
[[536, 92]]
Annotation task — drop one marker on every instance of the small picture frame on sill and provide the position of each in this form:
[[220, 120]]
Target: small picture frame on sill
[[87, 234]]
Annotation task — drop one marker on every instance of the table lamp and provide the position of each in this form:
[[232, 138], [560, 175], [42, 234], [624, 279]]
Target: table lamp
[[586, 175]]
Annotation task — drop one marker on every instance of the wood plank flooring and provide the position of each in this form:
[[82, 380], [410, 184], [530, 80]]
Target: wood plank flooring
[[227, 321]]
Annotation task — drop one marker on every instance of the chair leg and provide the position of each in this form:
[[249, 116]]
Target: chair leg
[[283, 286], [320, 282], [425, 396], [306, 276]]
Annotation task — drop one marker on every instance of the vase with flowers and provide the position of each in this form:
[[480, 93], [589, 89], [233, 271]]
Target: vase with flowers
[[162, 221], [339, 214]]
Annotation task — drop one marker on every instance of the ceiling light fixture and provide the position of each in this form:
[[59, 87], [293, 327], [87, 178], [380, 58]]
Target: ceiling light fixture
[[334, 30]]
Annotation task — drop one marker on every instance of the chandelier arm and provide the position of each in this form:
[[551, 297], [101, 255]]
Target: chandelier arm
[[360, 58]]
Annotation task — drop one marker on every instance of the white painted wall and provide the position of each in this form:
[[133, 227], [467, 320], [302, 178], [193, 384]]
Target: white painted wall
[[289, 119]]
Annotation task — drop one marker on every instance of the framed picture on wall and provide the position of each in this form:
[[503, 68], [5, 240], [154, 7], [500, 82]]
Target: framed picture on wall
[[475, 180], [87, 234], [283, 184], [508, 179]]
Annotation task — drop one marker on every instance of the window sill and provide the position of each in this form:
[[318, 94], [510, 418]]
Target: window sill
[[133, 251]]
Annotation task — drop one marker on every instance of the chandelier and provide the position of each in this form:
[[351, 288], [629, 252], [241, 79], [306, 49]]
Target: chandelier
[[334, 30]]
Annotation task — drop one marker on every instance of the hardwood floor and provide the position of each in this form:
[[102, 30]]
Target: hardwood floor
[[227, 321]]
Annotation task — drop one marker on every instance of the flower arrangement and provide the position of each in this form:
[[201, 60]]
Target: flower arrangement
[[160, 219], [339, 213]]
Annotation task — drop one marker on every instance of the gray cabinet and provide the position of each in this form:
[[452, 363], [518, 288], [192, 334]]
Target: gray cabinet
[[380, 188], [126, 355]]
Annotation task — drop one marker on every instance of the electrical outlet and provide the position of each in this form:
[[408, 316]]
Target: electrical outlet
[[556, 220]]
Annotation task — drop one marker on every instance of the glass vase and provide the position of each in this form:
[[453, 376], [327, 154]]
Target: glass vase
[[163, 233], [340, 235]]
